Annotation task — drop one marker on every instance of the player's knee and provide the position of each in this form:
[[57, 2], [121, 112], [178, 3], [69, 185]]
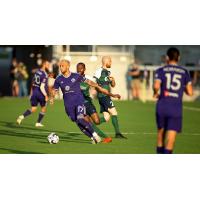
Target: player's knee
[[113, 111], [43, 109], [33, 110], [106, 116], [97, 121]]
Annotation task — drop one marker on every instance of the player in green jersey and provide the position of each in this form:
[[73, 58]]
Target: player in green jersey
[[105, 80], [91, 111]]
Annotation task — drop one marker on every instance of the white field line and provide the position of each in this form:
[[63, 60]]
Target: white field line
[[109, 133], [191, 108]]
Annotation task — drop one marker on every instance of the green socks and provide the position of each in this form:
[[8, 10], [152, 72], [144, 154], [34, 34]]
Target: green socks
[[102, 119], [115, 123], [98, 131]]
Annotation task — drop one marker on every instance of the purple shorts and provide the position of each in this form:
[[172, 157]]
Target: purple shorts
[[75, 112], [169, 122], [36, 98]]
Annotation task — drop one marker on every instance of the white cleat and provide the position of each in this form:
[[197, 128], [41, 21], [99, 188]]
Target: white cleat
[[96, 139], [39, 125], [19, 119]]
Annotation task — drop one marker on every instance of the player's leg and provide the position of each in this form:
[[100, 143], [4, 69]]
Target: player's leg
[[96, 120], [170, 141], [114, 116], [77, 114], [160, 122], [174, 125], [41, 115], [26, 114], [160, 141], [34, 103]]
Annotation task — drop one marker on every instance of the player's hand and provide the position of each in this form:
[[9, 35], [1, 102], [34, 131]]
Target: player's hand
[[51, 101], [46, 98], [111, 78], [156, 96], [116, 96]]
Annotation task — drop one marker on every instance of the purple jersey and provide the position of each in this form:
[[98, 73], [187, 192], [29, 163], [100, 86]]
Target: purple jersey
[[40, 77], [169, 106], [70, 87], [37, 97], [173, 81]]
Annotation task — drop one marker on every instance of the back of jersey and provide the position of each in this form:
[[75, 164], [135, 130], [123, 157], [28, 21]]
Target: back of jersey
[[39, 77], [173, 81]]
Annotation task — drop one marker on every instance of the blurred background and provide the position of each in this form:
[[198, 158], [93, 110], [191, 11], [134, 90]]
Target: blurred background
[[133, 66]]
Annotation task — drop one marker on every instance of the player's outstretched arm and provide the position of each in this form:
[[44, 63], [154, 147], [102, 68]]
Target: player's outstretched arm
[[189, 89], [102, 90]]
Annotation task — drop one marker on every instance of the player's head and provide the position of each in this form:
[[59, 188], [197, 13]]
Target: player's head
[[80, 68], [106, 61], [173, 54], [64, 66], [45, 65]]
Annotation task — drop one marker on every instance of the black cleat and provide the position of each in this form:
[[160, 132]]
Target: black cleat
[[120, 136]]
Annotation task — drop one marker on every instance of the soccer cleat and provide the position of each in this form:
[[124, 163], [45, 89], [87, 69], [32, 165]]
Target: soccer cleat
[[96, 138], [39, 125], [19, 119], [94, 141], [107, 140], [120, 136]]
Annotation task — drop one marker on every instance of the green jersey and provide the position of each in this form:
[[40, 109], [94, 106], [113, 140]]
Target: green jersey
[[102, 79], [85, 88]]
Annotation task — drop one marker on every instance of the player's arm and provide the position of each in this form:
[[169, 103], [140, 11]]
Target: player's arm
[[189, 89], [42, 88], [102, 90], [53, 93], [112, 81], [156, 88]]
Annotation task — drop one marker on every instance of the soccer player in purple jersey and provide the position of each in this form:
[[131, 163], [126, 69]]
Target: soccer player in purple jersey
[[172, 81], [39, 94], [69, 83]]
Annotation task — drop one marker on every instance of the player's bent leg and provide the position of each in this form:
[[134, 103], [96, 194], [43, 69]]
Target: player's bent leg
[[113, 113], [87, 129], [95, 118], [106, 139], [160, 141], [170, 141], [26, 114], [40, 117], [106, 116]]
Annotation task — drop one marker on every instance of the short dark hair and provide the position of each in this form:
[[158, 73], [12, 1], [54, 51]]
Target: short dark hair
[[81, 63], [173, 53]]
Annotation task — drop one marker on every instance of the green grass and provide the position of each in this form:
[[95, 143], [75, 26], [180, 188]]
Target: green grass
[[137, 120]]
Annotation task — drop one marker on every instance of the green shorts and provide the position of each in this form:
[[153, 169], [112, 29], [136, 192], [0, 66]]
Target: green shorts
[[105, 104], [90, 108]]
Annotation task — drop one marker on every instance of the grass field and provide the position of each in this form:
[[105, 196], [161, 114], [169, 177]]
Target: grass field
[[137, 121]]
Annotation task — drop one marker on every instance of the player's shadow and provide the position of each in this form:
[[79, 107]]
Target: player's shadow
[[70, 137], [18, 151]]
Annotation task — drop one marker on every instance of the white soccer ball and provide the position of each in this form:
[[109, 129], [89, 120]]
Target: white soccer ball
[[53, 138]]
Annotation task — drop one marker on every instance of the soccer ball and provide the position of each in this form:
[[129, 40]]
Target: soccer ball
[[53, 138]]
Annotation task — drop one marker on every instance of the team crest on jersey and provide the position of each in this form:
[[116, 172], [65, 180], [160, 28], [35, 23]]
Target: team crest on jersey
[[73, 80], [67, 88]]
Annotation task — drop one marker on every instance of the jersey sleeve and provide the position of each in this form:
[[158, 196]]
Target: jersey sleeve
[[158, 75], [97, 74], [187, 78], [56, 85], [89, 78]]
